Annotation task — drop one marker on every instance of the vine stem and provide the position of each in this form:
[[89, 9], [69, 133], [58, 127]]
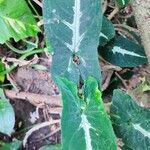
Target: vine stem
[[37, 127], [12, 67], [17, 50], [113, 13], [34, 8]]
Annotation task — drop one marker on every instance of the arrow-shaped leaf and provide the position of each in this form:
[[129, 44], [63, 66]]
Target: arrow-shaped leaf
[[123, 52], [73, 29], [131, 122], [85, 124]]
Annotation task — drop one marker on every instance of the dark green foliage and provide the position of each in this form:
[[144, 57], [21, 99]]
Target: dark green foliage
[[74, 36], [123, 52], [85, 124], [107, 32], [11, 146], [131, 122], [122, 3]]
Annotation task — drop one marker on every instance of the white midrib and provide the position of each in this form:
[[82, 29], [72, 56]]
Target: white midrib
[[117, 49], [141, 130], [103, 35], [123, 2], [75, 27], [86, 127], [76, 24]]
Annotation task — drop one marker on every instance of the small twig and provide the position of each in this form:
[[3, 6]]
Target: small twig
[[113, 13], [17, 50], [37, 99], [127, 27], [17, 61], [37, 109], [36, 12], [122, 80], [126, 16], [37, 127], [46, 112], [34, 99], [107, 80], [111, 67], [108, 66], [40, 23], [126, 33], [56, 110], [20, 62], [12, 67]]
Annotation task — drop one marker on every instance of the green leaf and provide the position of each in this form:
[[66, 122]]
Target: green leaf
[[146, 87], [2, 68], [73, 28], [124, 53], [12, 146], [131, 122], [107, 32], [85, 124], [51, 147], [122, 3], [16, 20], [7, 116]]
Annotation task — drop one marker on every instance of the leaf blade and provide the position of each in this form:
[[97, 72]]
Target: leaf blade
[[84, 123], [15, 145], [131, 122], [107, 32], [16, 21], [124, 53], [7, 116], [73, 28]]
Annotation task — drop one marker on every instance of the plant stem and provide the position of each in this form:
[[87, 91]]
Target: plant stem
[[31, 53], [12, 67], [34, 8], [113, 13], [17, 50]]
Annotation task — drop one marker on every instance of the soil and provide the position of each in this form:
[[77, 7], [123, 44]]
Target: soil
[[31, 80]]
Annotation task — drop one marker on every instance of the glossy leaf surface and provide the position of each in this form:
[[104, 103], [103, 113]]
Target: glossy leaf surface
[[124, 53], [73, 29], [85, 124], [131, 122]]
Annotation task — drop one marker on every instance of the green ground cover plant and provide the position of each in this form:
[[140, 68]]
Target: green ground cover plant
[[78, 33]]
